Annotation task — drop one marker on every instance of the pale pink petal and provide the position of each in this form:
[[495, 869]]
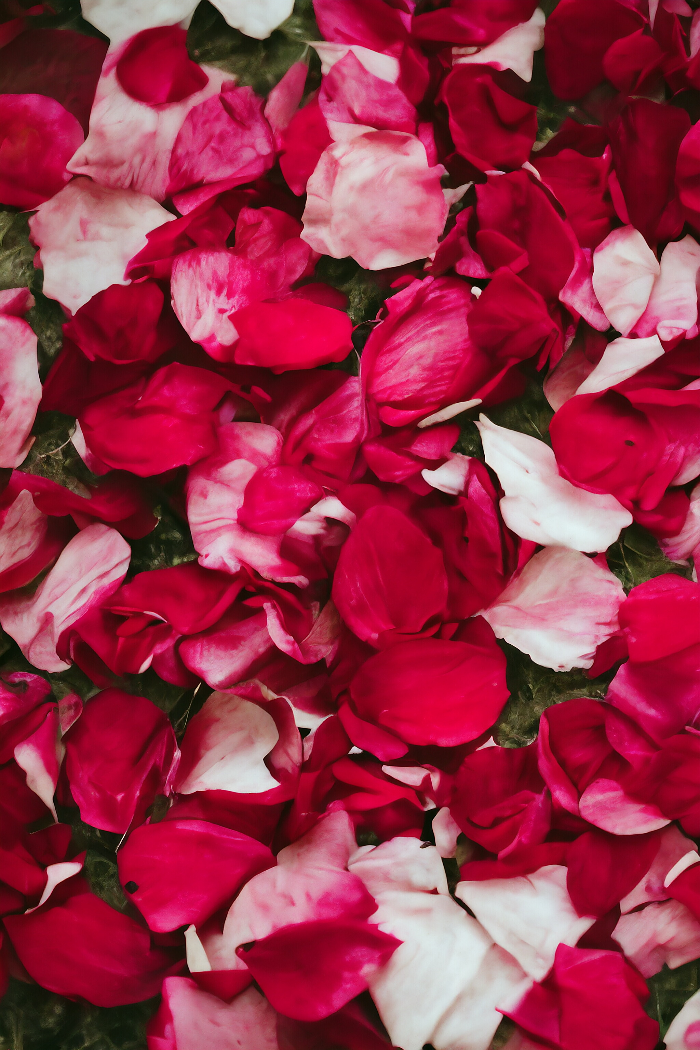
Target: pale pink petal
[[662, 933], [89, 570], [605, 804], [375, 198], [528, 915], [22, 531], [624, 271], [622, 358], [673, 847], [443, 983], [559, 609], [539, 504], [193, 1019], [129, 142], [87, 234], [385, 67], [39, 755], [225, 748], [122, 20], [673, 306], [257, 19], [446, 831], [451, 476], [684, 1031], [20, 388], [514, 49], [687, 543]]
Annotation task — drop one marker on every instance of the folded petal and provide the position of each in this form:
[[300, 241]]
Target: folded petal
[[89, 570]]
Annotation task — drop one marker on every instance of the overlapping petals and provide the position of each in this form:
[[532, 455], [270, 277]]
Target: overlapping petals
[[350, 623]]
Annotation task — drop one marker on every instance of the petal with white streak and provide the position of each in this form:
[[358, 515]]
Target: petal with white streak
[[225, 747], [90, 568], [624, 271], [528, 915], [539, 504]]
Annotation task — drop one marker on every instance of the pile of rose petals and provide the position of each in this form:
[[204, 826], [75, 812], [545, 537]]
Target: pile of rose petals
[[331, 841]]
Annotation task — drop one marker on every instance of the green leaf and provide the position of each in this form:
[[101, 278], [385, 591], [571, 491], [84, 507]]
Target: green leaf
[[530, 413], [163, 694], [53, 454], [16, 253], [170, 543], [637, 557], [365, 297], [102, 873], [46, 318], [64, 14], [33, 1019], [533, 689], [260, 64], [670, 990]]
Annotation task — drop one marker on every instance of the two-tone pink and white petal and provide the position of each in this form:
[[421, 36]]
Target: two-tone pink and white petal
[[190, 1018], [215, 494], [89, 570], [624, 271], [672, 310], [662, 933], [514, 49], [528, 915], [374, 196], [20, 386], [309, 883], [129, 142], [559, 609], [539, 504], [443, 984], [225, 748]]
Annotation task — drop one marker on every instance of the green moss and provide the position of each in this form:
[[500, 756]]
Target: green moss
[[33, 1019], [16, 253], [637, 557], [533, 689]]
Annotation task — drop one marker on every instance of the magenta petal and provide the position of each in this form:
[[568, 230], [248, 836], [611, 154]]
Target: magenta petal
[[311, 969], [389, 577], [119, 755], [81, 948], [295, 333], [38, 139], [431, 691], [155, 67], [185, 870]]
